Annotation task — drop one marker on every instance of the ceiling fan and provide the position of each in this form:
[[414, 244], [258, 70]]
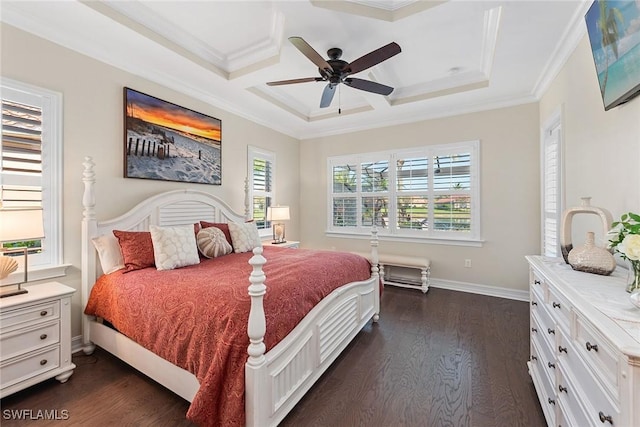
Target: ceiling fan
[[335, 71]]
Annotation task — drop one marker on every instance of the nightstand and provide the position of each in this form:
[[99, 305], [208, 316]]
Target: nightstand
[[288, 244], [35, 337]]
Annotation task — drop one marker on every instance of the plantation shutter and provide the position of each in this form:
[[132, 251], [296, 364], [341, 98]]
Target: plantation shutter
[[551, 172], [21, 150], [412, 201], [262, 167]]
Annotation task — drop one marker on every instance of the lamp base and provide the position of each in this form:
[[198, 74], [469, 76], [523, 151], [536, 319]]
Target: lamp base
[[12, 292], [276, 242]]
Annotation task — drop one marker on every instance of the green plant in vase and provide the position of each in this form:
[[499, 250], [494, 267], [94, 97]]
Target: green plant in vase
[[624, 238]]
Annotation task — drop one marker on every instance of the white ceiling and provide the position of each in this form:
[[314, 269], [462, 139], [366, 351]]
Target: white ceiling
[[457, 56]]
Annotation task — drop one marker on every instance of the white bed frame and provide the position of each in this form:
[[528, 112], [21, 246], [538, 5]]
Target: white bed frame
[[274, 381]]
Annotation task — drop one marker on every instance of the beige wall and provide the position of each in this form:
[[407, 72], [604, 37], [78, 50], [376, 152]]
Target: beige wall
[[510, 216], [93, 126], [601, 148]]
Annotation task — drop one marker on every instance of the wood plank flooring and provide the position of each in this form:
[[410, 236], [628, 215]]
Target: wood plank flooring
[[442, 359]]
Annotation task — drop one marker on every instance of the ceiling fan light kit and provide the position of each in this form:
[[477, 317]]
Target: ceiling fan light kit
[[335, 70]]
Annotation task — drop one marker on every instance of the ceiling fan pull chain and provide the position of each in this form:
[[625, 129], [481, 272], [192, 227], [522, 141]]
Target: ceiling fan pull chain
[[339, 100]]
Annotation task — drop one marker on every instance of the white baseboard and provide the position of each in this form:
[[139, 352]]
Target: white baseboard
[[474, 288]]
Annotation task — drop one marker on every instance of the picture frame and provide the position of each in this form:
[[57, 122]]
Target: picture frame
[[167, 142]]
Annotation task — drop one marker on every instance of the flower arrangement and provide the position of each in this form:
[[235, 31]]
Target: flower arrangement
[[624, 238]]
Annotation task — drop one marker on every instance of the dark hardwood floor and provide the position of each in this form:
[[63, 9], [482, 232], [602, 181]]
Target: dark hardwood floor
[[444, 359]]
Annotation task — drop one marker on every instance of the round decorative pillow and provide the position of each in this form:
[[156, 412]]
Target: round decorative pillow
[[212, 242]]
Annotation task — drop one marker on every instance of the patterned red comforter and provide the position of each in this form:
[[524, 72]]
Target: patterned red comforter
[[196, 317]]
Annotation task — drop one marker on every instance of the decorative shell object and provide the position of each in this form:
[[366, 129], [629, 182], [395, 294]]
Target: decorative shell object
[[591, 258], [7, 266]]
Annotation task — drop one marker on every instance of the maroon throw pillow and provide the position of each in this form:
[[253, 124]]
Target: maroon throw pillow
[[137, 249], [222, 226]]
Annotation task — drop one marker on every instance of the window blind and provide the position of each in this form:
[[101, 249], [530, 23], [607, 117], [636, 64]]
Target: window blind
[[551, 192]]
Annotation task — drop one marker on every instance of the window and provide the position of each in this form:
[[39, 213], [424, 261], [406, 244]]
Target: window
[[31, 166], [261, 186], [552, 205], [426, 193]]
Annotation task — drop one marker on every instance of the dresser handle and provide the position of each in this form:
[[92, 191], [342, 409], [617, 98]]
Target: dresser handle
[[551, 331], [561, 349], [552, 401], [534, 303], [536, 282], [562, 388], [43, 362], [604, 418], [534, 330], [43, 336], [590, 346], [534, 358], [551, 365], [555, 304], [43, 313]]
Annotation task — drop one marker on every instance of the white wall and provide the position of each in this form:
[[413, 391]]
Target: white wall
[[509, 192], [93, 126], [602, 148]]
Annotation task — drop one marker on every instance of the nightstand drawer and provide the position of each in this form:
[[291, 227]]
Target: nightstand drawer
[[29, 339], [22, 317], [22, 368]]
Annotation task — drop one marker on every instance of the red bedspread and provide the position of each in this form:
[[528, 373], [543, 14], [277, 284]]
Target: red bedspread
[[196, 317]]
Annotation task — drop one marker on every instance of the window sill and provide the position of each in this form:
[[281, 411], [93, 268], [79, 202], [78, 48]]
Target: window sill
[[36, 274], [478, 243]]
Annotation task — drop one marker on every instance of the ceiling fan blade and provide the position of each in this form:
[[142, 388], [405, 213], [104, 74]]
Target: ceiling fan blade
[[310, 53], [327, 95], [292, 81], [373, 58], [368, 85]]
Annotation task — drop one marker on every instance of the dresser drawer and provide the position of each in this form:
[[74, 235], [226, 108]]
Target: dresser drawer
[[545, 325], [544, 384], [25, 340], [22, 317], [22, 368], [560, 308], [573, 411], [537, 285], [598, 353]]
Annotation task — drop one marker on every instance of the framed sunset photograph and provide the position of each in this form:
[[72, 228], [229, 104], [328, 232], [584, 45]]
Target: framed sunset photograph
[[164, 141]]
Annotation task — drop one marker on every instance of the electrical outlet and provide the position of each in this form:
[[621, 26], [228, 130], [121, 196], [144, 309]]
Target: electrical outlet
[[467, 263]]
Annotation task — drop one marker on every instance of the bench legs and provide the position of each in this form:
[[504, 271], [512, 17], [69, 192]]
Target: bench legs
[[425, 274]]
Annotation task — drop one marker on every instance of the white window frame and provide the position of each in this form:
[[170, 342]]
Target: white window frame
[[270, 156], [472, 238], [551, 138], [49, 263]]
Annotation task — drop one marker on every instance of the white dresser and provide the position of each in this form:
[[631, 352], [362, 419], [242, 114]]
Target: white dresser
[[35, 337], [585, 346]]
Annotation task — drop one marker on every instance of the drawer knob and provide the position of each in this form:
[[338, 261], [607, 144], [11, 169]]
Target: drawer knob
[[43, 362], [551, 365], [534, 303], [555, 304], [590, 346], [604, 418], [561, 388], [43, 313], [552, 401], [43, 336], [534, 330], [536, 282], [551, 331], [561, 349]]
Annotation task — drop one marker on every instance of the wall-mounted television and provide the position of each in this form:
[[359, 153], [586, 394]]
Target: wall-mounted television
[[614, 34]]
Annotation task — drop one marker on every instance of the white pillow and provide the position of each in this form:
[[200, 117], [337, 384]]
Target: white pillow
[[244, 236], [174, 247], [213, 243], [109, 253]]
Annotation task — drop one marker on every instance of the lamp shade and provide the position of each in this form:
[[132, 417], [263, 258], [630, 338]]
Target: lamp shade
[[21, 224], [277, 213]]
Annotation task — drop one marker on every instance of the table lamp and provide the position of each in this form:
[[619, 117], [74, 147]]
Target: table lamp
[[17, 225], [275, 214]]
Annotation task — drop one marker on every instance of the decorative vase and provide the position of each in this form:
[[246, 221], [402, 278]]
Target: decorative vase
[[634, 276], [591, 258], [567, 217]]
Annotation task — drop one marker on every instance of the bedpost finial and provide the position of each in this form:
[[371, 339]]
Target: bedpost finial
[[257, 325]]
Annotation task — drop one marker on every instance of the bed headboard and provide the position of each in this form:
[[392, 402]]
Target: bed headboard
[[178, 207]]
